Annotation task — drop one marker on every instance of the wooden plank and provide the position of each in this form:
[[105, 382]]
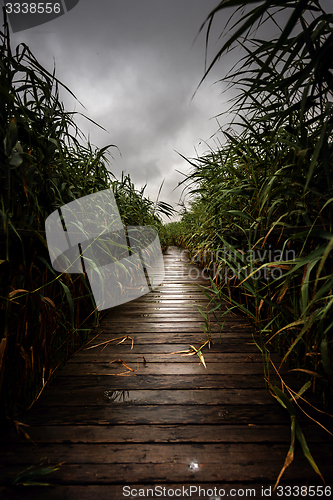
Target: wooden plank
[[192, 322], [171, 306], [152, 453], [218, 342], [178, 288], [171, 294], [157, 336], [165, 310], [131, 356], [192, 464], [141, 381], [172, 300], [216, 350], [154, 414], [181, 327], [152, 317], [78, 369], [156, 397], [200, 433], [154, 433]]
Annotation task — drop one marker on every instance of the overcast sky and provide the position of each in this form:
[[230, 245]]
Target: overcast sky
[[135, 64]]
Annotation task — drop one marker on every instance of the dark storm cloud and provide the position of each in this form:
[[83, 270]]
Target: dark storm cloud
[[133, 65]]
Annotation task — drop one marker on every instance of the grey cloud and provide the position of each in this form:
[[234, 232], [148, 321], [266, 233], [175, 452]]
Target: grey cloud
[[133, 65]]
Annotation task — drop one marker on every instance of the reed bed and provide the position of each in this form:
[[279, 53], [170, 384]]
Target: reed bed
[[45, 163], [259, 216]]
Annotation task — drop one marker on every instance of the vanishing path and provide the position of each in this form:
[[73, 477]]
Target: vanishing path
[[154, 418]]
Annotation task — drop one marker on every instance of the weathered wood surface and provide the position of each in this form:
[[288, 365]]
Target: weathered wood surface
[[141, 415]]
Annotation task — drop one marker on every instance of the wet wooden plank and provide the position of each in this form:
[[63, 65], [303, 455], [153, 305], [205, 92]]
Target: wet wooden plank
[[134, 356], [172, 341], [154, 414], [163, 317], [170, 421], [162, 433], [216, 333], [156, 397], [165, 433], [78, 369], [172, 300], [181, 326], [138, 380], [152, 453], [226, 465]]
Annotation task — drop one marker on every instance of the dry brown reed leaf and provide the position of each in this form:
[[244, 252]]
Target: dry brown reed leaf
[[123, 363], [122, 374], [305, 413], [293, 324], [44, 383], [267, 235], [91, 340], [20, 431], [125, 338], [144, 361], [112, 340], [306, 267], [309, 372], [249, 357], [290, 455], [188, 352], [295, 396], [15, 292], [50, 302], [192, 351], [280, 297], [3, 346]]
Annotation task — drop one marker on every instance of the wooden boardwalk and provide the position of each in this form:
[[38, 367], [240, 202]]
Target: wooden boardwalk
[[147, 417]]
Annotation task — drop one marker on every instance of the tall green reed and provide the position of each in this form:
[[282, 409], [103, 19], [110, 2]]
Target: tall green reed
[[268, 187], [45, 162]]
